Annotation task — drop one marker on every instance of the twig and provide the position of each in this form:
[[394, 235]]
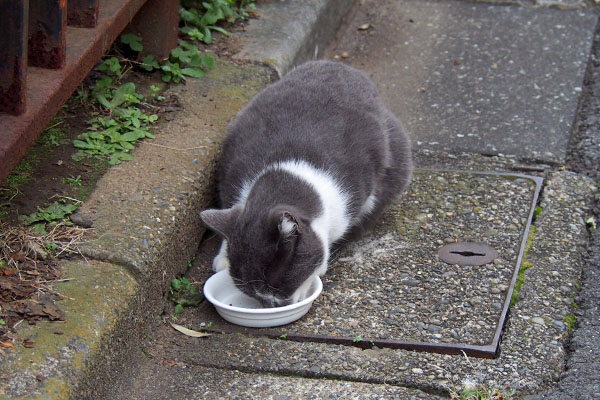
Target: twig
[[174, 148], [467, 358]]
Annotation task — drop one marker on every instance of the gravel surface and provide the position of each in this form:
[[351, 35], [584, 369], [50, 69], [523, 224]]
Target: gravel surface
[[392, 284]]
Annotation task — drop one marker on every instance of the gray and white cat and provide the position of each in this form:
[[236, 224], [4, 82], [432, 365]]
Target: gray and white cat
[[310, 160]]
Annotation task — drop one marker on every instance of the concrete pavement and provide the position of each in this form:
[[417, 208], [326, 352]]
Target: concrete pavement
[[475, 127]]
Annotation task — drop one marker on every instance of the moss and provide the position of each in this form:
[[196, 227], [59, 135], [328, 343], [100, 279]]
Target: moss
[[570, 321], [95, 294], [525, 265]]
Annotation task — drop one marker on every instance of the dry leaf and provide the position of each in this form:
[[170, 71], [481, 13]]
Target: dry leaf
[[189, 332], [6, 344]]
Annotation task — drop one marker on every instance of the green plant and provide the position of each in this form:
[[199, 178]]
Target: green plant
[[357, 338], [570, 321], [591, 223], [185, 60], [525, 265], [111, 65], [184, 294], [53, 214], [72, 181], [480, 392], [154, 92], [283, 336], [53, 135], [2, 321], [50, 247], [200, 18], [134, 41], [114, 137]]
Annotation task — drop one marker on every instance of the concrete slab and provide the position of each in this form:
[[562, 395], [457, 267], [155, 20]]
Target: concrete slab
[[161, 378], [291, 32], [96, 295], [475, 77], [391, 289], [533, 349]]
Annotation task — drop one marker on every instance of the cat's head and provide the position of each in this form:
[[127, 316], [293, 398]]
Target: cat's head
[[272, 254]]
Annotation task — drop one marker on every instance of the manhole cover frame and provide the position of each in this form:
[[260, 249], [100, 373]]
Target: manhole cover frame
[[491, 350]]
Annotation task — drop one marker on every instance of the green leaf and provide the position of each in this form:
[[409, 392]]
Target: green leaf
[[131, 136], [191, 301], [178, 309], [39, 228], [112, 64], [102, 100], [193, 33], [199, 60], [149, 63], [218, 29], [175, 283], [120, 95], [134, 41], [180, 54], [207, 36], [193, 72], [82, 145]]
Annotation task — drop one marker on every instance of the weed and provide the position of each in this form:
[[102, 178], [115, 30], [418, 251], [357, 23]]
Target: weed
[[111, 65], [72, 181], [185, 60], [283, 336], [53, 214], [134, 41], [570, 321], [479, 393], [200, 18], [537, 211], [184, 294], [191, 261], [357, 338], [591, 223], [114, 137], [50, 247], [2, 321]]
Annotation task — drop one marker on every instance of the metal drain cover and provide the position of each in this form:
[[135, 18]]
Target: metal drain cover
[[391, 289], [467, 253]]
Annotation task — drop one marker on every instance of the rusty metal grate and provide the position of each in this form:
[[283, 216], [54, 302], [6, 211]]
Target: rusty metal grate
[[500, 200], [43, 60]]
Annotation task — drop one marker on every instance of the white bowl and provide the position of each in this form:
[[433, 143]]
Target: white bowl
[[240, 309]]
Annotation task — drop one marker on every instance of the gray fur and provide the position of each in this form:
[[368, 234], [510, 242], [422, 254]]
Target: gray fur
[[328, 115]]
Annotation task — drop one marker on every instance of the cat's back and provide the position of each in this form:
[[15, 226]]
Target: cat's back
[[324, 113]]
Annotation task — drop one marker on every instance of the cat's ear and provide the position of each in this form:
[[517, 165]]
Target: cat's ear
[[221, 221], [288, 224]]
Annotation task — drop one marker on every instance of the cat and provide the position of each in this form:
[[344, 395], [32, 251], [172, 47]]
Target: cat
[[312, 159]]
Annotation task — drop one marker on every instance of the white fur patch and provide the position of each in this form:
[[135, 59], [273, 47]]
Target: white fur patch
[[221, 260], [366, 209]]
